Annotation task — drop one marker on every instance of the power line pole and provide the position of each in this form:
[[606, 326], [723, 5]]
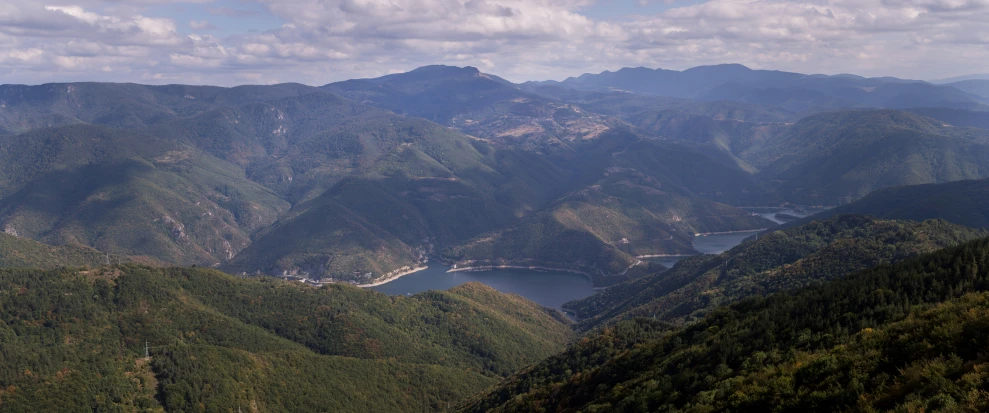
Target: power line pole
[[147, 351]]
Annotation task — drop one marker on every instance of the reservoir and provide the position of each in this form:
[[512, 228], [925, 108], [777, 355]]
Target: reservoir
[[770, 213], [707, 244], [718, 243], [549, 288]]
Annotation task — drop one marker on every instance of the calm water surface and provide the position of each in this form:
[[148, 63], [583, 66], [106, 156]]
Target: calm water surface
[[707, 244], [718, 243], [550, 289], [771, 214]]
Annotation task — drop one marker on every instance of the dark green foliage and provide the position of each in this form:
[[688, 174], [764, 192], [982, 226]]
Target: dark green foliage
[[72, 341], [834, 158], [190, 210], [18, 252], [962, 202], [641, 197], [956, 117], [903, 337], [782, 260]]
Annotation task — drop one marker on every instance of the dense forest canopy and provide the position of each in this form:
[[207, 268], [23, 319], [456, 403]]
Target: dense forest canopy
[[76, 339], [112, 194]]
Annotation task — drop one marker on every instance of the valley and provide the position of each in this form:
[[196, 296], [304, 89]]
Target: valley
[[443, 239], [548, 287]]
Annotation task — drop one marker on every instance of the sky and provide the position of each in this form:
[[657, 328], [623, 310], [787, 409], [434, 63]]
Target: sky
[[231, 42]]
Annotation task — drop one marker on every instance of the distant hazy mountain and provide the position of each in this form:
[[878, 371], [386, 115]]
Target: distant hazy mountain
[[124, 105], [294, 179], [974, 86], [452, 161], [962, 202], [955, 117], [791, 91], [960, 79], [838, 157], [480, 105]]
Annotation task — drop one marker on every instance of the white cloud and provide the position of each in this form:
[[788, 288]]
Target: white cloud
[[201, 25], [327, 40]]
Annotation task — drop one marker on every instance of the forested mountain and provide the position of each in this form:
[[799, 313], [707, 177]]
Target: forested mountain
[[649, 197], [974, 86], [17, 252], [360, 180], [962, 202], [838, 157], [482, 105], [782, 260], [791, 91], [955, 117], [129, 194], [75, 340], [909, 336], [123, 105], [197, 175], [255, 178]]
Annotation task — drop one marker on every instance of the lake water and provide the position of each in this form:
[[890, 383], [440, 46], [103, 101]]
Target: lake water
[[718, 243], [550, 288], [667, 262], [706, 244], [770, 214]]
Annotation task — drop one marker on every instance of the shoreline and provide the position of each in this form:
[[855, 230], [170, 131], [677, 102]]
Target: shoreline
[[393, 277], [516, 267], [704, 234]]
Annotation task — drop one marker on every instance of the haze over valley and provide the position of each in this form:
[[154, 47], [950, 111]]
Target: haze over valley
[[494, 206]]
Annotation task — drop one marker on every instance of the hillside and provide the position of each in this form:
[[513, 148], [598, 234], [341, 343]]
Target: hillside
[[291, 179], [975, 86], [781, 260], [838, 157], [420, 197], [76, 341], [122, 105], [961, 202], [179, 207], [639, 197], [793, 92], [906, 337], [197, 184], [955, 117], [481, 105], [17, 252]]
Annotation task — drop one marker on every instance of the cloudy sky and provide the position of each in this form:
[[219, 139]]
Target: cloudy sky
[[227, 42]]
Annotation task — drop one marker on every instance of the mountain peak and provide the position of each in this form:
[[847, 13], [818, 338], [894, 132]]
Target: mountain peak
[[444, 70]]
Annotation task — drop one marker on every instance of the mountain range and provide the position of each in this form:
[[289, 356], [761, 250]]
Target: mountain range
[[907, 336], [458, 164], [111, 194], [792, 91]]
